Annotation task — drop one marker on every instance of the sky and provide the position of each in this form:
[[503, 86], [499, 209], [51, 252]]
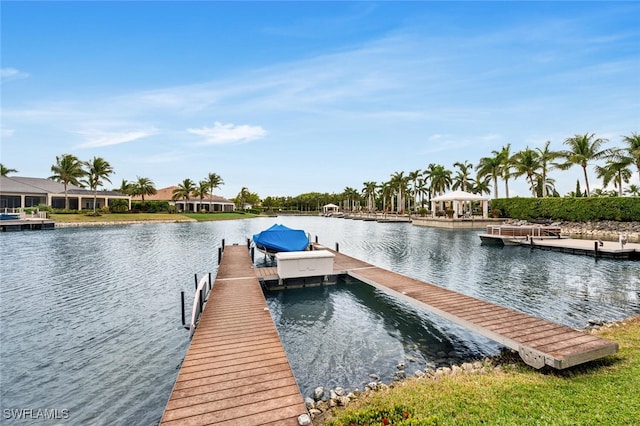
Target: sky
[[286, 98]]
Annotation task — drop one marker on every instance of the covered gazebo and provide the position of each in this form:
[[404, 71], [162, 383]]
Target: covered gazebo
[[329, 208], [459, 200]]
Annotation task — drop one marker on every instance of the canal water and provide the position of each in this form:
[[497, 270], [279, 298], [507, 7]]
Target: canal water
[[90, 317]]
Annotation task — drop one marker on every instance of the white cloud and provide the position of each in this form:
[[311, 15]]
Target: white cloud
[[6, 133], [221, 133], [98, 138], [7, 74]]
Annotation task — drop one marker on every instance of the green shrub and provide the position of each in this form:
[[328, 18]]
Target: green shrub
[[572, 209], [118, 206], [151, 207]]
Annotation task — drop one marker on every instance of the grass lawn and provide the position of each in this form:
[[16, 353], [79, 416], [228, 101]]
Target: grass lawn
[[604, 392], [145, 217], [116, 217]]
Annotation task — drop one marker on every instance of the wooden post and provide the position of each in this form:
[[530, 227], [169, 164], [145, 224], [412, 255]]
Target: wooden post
[[182, 305], [196, 278], [219, 254], [595, 249], [337, 247]]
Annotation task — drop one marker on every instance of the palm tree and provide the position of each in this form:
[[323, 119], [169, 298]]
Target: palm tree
[[4, 171], [369, 192], [214, 181], [202, 190], [398, 184], [506, 161], [582, 150], [143, 186], [633, 190], [481, 186], [184, 191], [98, 170], [545, 158], [462, 180], [68, 170], [527, 162], [350, 197], [491, 166], [634, 149], [440, 179], [413, 178], [126, 187], [617, 170]]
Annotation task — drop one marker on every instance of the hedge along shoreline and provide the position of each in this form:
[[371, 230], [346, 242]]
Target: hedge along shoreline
[[589, 209]]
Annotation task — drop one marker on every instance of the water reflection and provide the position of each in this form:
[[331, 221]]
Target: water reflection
[[90, 317]]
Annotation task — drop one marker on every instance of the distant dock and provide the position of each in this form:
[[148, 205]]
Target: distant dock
[[11, 222], [595, 248]]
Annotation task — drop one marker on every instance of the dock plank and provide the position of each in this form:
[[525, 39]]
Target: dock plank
[[235, 371], [538, 341]]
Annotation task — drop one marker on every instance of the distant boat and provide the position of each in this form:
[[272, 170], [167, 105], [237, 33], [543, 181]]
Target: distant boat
[[280, 238], [519, 233]]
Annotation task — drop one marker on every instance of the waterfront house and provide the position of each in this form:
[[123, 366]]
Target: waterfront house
[[23, 192]]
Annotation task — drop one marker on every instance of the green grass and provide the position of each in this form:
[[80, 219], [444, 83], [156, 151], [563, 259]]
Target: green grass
[[605, 392], [145, 217], [115, 217], [203, 217]]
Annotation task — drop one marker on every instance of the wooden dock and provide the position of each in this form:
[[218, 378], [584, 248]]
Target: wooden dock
[[236, 371], [595, 248], [539, 342]]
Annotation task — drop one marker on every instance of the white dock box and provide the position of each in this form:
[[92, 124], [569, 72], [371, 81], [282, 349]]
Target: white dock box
[[295, 264]]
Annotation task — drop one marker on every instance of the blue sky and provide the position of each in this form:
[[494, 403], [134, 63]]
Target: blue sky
[[292, 97]]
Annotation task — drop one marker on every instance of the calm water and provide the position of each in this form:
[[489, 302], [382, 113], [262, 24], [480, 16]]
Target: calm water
[[90, 317]]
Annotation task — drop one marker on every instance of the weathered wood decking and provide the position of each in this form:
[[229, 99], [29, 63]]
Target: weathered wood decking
[[236, 371], [596, 248], [539, 342]]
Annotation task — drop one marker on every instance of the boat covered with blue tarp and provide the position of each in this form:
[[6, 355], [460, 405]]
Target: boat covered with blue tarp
[[280, 238]]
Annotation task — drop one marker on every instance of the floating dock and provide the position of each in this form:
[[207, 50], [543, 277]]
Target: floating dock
[[26, 224], [595, 248], [236, 371]]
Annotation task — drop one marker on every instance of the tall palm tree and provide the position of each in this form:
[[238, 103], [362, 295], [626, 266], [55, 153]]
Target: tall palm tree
[[527, 162], [633, 149], [68, 170], [369, 192], [98, 170], [462, 180], [4, 171], [506, 160], [202, 190], [413, 178], [398, 184], [143, 186], [184, 191], [440, 179], [214, 181], [491, 166], [546, 158], [350, 196], [582, 150], [616, 169]]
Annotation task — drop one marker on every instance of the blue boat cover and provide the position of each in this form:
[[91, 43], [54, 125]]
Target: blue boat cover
[[280, 238]]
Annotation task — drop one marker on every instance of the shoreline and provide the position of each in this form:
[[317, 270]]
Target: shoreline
[[322, 409]]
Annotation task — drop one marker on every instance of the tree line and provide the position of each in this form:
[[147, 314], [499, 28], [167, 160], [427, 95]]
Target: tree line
[[410, 191]]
